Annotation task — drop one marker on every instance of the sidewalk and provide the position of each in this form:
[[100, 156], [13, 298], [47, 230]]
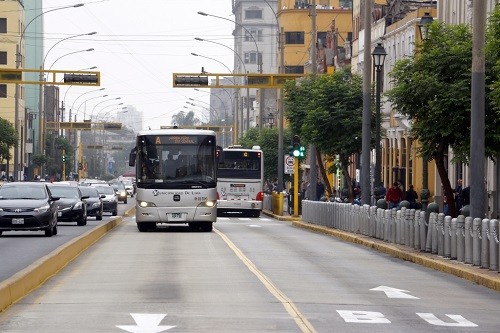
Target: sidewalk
[[475, 274]]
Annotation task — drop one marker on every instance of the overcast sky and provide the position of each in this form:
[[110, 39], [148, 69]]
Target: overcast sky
[[138, 45]]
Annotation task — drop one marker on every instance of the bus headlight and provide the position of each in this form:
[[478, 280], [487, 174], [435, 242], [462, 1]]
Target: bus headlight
[[210, 203], [145, 204]]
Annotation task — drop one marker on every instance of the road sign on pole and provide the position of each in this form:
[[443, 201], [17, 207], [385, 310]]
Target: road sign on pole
[[289, 164]]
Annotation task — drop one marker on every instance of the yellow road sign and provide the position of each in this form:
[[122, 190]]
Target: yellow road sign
[[209, 80], [53, 77]]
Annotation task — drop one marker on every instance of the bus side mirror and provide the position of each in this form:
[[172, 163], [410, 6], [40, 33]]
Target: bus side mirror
[[131, 158], [219, 153]]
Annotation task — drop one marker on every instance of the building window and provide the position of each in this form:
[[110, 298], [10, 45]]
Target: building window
[[294, 37], [253, 57], [294, 69], [256, 34], [3, 91], [3, 25], [252, 14], [3, 58]]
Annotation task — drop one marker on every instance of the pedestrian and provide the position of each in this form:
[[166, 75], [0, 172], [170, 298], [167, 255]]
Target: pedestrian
[[411, 196], [394, 196], [466, 196], [457, 192], [320, 189]]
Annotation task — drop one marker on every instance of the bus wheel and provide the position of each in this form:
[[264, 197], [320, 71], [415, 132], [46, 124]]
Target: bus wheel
[[207, 227], [145, 226]]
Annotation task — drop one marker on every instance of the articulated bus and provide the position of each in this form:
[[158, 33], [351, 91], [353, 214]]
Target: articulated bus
[[240, 180], [175, 178]]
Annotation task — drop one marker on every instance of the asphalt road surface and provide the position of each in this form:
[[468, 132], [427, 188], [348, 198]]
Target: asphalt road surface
[[249, 275]]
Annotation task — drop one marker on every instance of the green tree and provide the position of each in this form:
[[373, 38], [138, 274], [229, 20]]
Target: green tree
[[185, 119], [8, 138], [326, 111], [433, 89]]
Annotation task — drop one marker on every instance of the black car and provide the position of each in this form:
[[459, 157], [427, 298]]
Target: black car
[[71, 204], [121, 191], [110, 201], [28, 206], [94, 201]]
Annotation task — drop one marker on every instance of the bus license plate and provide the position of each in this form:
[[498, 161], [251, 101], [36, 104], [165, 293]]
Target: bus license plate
[[17, 221], [176, 217]]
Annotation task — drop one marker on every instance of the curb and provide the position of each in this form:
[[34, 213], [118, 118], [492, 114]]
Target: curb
[[25, 281], [481, 276]]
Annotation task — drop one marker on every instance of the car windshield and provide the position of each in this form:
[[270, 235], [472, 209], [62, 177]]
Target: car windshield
[[118, 186], [89, 191], [22, 192], [65, 191], [105, 189]]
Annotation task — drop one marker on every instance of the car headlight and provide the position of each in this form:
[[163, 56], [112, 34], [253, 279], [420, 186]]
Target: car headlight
[[123, 193], [42, 209], [78, 205], [210, 203], [96, 204], [145, 204]]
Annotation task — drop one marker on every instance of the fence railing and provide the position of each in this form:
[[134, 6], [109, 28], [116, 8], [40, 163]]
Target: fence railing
[[464, 239]]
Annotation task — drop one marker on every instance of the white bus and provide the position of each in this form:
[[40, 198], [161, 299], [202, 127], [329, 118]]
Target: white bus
[[175, 178], [240, 180]]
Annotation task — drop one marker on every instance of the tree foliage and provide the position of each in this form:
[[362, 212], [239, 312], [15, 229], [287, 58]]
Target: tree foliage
[[326, 111], [8, 138], [433, 89], [185, 119]]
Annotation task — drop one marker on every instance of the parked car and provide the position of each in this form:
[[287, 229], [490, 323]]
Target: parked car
[[94, 201], [110, 200], [28, 206], [71, 205], [120, 190]]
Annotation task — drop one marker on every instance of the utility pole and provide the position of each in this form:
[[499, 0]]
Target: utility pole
[[366, 127], [281, 117], [313, 170], [477, 137]]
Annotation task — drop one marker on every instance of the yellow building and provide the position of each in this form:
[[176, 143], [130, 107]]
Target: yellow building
[[11, 24]]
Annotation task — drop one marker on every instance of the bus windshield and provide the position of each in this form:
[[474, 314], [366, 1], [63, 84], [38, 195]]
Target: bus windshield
[[176, 161], [240, 165]]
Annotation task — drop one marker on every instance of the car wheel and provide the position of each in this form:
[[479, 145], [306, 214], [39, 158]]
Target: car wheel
[[98, 217], [207, 226], [49, 232], [54, 229], [115, 212], [1, 233], [82, 221], [125, 202]]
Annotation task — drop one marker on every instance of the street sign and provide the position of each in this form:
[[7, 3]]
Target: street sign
[[289, 164]]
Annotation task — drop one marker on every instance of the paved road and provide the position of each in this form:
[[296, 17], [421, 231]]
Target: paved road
[[19, 249], [249, 275]]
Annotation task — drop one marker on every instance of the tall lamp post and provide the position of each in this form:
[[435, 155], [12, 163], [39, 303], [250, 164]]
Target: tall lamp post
[[378, 55], [19, 63], [423, 26]]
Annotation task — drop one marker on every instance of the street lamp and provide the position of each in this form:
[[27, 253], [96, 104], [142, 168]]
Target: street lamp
[[423, 27], [19, 62], [270, 119], [106, 100], [247, 89], [85, 101], [67, 54], [378, 55]]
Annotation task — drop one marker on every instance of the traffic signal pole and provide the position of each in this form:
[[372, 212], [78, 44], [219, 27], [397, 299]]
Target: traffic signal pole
[[296, 187]]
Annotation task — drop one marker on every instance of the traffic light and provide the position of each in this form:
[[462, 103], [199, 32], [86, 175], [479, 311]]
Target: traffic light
[[64, 158], [80, 166], [81, 78], [296, 146], [194, 81], [302, 152]]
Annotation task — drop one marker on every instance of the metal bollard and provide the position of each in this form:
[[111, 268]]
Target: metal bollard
[[397, 240], [476, 241], [416, 227], [453, 238], [440, 234], [494, 245], [433, 225], [461, 238], [468, 240], [485, 243], [447, 237], [423, 231], [411, 228], [393, 225], [387, 224]]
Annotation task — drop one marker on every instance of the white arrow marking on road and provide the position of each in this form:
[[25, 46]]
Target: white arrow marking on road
[[146, 323], [394, 293], [254, 226]]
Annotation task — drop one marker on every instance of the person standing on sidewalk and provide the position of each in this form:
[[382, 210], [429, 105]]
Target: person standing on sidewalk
[[394, 196]]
